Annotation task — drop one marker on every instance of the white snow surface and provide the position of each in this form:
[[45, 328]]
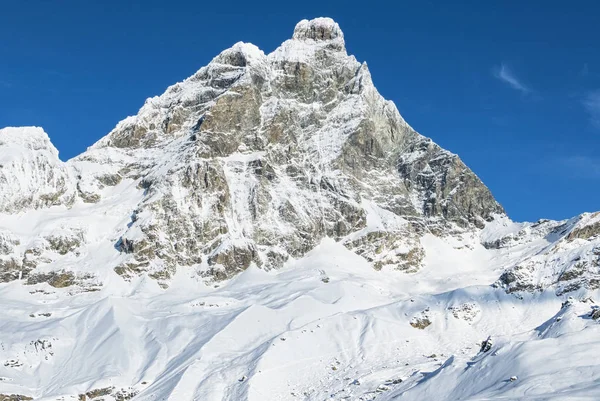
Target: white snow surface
[[327, 326]]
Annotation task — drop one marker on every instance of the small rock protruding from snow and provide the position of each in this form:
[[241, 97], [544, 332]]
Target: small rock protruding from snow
[[126, 245], [467, 311], [422, 320], [513, 378], [487, 344], [382, 387], [568, 302]]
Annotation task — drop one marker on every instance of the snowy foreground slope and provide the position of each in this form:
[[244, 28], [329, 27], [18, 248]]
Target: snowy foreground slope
[[272, 229]]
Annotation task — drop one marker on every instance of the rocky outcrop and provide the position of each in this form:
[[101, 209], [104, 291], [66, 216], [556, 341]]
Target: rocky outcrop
[[399, 250], [588, 228], [14, 397], [445, 186], [567, 257], [422, 320], [468, 311], [20, 259]]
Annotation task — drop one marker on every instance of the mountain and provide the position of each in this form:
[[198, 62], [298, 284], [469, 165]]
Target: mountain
[[272, 228]]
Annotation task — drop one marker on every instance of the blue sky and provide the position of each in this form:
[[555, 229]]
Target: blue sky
[[513, 87]]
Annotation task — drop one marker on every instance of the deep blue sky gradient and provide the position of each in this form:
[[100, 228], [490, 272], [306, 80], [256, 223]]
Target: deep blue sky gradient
[[513, 87]]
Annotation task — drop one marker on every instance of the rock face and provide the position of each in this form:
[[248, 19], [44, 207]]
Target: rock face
[[254, 160]]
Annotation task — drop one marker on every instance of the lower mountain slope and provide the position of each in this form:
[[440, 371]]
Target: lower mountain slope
[[325, 326]]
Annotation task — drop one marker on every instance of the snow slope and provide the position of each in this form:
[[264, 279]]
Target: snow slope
[[552, 361], [325, 326]]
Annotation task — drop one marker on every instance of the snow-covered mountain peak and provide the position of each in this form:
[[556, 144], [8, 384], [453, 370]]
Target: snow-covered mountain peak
[[319, 30], [256, 158], [240, 55], [31, 174], [25, 139]]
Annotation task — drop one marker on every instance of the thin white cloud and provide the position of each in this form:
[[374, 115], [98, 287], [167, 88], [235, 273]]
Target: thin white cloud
[[592, 105], [585, 70], [505, 74], [582, 166]]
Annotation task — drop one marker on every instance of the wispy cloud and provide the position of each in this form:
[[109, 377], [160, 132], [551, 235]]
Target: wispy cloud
[[582, 166], [585, 70], [55, 73], [506, 75], [591, 102]]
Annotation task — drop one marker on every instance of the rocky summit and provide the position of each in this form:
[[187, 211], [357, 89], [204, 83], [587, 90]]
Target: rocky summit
[[240, 181]]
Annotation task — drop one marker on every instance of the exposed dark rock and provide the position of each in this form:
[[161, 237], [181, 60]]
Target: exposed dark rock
[[55, 279], [125, 245], [14, 397], [585, 232], [420, 323], [110, 179]]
